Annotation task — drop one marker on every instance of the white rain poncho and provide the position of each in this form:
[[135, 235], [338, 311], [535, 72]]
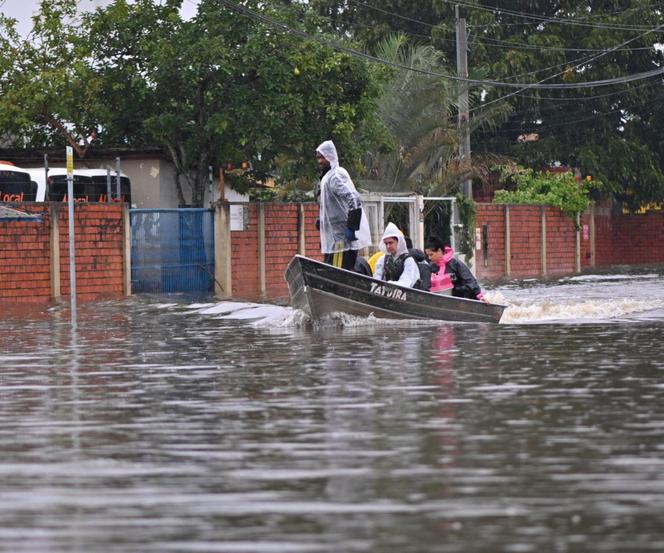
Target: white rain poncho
[[338, 196], [411, 274]]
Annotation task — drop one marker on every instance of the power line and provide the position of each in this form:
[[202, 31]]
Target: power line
[[545, 19], [524, 15], [553, 123], [575, 67], [480, 82], [517, 46]]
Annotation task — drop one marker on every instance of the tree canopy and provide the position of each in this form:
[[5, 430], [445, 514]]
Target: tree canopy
[[562, 81], [223, 86], [610, 131]]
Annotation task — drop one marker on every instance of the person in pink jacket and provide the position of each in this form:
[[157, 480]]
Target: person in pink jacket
[[441, 282], [453, 276]]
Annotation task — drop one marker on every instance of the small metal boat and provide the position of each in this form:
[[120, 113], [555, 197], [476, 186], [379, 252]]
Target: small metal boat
[[320, 289]]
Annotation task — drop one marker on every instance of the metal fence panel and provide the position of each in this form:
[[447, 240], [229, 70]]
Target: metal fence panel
[[172, 250]]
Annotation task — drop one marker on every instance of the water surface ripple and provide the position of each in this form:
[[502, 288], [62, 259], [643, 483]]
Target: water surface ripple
[[177, 427]]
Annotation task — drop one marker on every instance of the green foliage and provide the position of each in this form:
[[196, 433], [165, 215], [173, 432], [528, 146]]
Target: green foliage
[[562, 190], [417, 111], [225, 87], [280, 195], [48, 88], [219, 87], [610, 132]]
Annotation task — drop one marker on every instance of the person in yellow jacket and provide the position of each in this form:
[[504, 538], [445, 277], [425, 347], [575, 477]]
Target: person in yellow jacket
[[374, 259]]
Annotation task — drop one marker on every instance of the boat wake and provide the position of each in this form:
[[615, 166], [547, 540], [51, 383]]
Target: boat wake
[[584, 311], [268, 316], [519, 311], [582, 299]]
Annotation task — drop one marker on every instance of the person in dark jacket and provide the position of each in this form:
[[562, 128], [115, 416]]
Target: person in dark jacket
[[464, 283], [422, 264]]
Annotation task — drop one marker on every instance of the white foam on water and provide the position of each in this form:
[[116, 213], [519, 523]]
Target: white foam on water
[[269, 316], [258, 311], [224, 307], [353, 321], [291, 318], [593, 309], [577, 299], [595, 278]]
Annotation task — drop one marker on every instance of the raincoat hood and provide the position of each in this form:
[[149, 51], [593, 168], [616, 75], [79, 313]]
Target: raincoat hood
[[329, 151], [392, 231]]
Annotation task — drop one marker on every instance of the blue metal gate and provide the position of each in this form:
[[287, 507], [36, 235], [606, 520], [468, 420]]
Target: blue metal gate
[[172, 250]]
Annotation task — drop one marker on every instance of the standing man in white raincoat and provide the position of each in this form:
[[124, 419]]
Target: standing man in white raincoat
[[343, 225]]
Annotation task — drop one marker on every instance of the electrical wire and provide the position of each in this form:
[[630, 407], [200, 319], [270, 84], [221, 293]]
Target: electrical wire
[[545, 19], [540, 85], [554, 124], [525, 15], [481, 82]]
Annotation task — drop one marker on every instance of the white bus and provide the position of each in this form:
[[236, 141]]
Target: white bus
[[90, 185], [16, 184]]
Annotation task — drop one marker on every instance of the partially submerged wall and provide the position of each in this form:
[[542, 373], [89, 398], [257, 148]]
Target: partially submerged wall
[[514, 241], [272, 235], [526, 241], [34, 254]]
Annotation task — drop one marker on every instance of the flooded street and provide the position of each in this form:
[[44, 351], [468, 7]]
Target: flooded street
[[168, 425]]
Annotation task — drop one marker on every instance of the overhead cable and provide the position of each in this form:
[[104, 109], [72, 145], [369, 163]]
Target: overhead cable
[[480, 82]]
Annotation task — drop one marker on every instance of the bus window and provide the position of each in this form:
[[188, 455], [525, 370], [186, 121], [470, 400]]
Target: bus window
[[16, 185], [99, 178], [83, 188]]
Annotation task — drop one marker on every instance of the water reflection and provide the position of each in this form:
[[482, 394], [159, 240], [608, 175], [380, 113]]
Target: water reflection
[[180, 427]]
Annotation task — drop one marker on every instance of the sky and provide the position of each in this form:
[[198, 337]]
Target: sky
[[23, 10]]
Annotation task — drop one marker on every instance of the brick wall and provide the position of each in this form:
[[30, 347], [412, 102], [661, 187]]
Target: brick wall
[[311, 234], [490, 263], [281, 236], [526, 240], [25, 273], [560, 242], [25, 253], [99, 241], [629, 239], [619, 239], [281, 244], [244, 256]]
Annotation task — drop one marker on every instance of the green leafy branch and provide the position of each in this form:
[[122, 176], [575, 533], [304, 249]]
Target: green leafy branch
[[562, 190]]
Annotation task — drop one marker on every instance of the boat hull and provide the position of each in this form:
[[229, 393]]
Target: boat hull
[[320, 289]]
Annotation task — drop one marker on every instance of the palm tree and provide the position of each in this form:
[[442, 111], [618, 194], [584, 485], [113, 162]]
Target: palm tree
[[419, 109]]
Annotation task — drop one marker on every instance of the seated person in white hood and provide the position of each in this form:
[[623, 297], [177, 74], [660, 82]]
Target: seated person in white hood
[[396, 266]]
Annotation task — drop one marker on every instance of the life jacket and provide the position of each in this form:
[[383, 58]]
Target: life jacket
[[445, 277], [441, 280], [393, 268]]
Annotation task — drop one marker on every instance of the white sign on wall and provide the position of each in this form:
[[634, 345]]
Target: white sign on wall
[[239, 217]]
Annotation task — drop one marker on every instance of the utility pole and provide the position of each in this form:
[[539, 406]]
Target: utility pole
[[464, 116]]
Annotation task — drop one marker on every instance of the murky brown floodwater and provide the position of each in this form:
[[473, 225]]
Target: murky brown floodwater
[[161, 427]]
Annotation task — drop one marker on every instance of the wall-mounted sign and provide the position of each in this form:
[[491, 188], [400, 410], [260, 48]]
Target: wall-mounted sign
[[239, 217]]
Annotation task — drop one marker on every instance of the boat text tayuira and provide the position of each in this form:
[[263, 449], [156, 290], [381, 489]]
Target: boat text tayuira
[[320, 289]]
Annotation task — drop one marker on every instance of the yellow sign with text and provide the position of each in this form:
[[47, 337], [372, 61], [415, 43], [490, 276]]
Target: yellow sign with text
[[70, 161]]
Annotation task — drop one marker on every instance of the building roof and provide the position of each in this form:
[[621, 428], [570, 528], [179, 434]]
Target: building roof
[[32, 156]]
